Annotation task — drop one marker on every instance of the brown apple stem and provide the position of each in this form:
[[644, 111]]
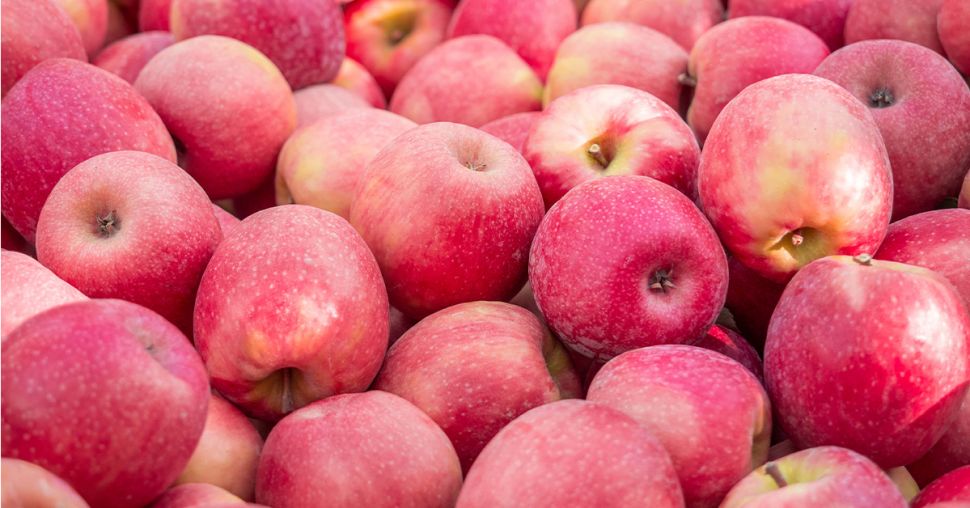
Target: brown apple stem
[[797, 239], [687, 80], [596, 152], [863, 259], [772, 469]]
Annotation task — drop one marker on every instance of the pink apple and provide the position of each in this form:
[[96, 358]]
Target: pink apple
[[751, 299], [212, 91], [399, 323], [630, 243], [430, 257], [61, 113], [198, 495], [322, 101], [955, 486], [475, 367], [28, 485], [954, 36], [227, 221], [105, 394], [684, 21], [321, 164], [826, 18], [513, 129], [908, 20], [810, 181], [731, 344], [28, 289], [91, 19], [34, 31], [533, 29], [354, 77], [910, 89], [619, 54], [11, 240], [439, 88], [949, 453], [291, 309], [369, 449], [850, 363], [823, 476], [572, 453], [608, 130], [119, 26], [154, 14], [127, 57]]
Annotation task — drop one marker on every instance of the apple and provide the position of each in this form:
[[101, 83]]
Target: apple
[[118, 27], [316, 102], [303, 38], [949, 453], [28, 288], [894, 19], [369, 449], [620, 54], [227, 221], [198, 495], [212, 91], [321, 164], [354, 77], [823, 476], [751, 299], [388, 37], [27, 485], [11, 240], [533, 29], [954, 486], [91, 19], [910, 89], [513, 129], [471, 80], [741, 52], [964, 199], [904, 482], [728, 342], [508, 365], [260, 198], [848, 362], [154, 15], [105, 394], [826, 18], [291, 309], [608, 130], [127, 57], [430, 257], [810, 181], [34, 31], [572, 453], [954, 36], [684, 21], [625, 262], [61, 113], [399, 323]]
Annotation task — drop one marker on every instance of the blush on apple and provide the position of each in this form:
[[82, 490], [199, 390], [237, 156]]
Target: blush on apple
[[127, 57], [91, 19], [684, 21], [894, 19], [322, 101], [198, 495], [28, 288], [154, 15], [751, 299], [34, 31], [826, 18], [726, 341], [954, 486], [950, 452], [513, 129], [24, 485], [954, 36], [354, 77]]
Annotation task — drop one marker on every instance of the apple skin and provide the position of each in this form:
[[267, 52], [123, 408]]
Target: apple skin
[[28, 289], [963, 201], [211, 91], [154, 15], [34, 31], [954, 486], [159, 236], [258, 199], [29, 485], [354, 77], [823, 476], [741, 52], [119, 25], [949, 453], [269, 350], [369, 449], [127, 57], [316, 102], [710, 413], [227, 221], [751, 300], [303, 38], [388, 37], [11, 240], [513, 129], [572, 453], [601, 248], [894, 19], [321, 164], [532, 29], [826, 18], [683, 21], [849, 364], [91, 19], [429, 256], [618, 53], [198, 495], [110, 375], [954, 36], [811, 181], [475, 367], [928, 96], [438, 87], [730, 343], [61, 113], [636, 134]]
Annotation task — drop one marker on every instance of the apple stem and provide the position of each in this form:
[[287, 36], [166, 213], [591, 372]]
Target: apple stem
[[596, 152], [687, 80], [772, 469], [863, 259]]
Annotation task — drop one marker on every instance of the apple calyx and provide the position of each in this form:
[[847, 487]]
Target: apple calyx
[[772, 469], [662, 280], [863, 259], [881, 98], [108, 224], [687, 80], [475, 166]]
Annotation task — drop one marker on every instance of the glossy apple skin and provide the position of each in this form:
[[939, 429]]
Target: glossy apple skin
[[303, 38], [28, 289], [849, 364], [354, 77], [954, 486], [110, 373], [316, 102], [416, 200], [532, 29], [929, 98], [60, 114], [91, 19], [954, 36], [823, 476], [949, 453], [291, 309], [601, 247], [826, 18], [894, 19], [127, 57], [211, 91], [683, 21], [475, 367], [513, 129], [321, 164], [618, 53], [743, 51], [162, 235], [26, 485], [438, 88], [154, 15], [369, 449], [730, 343], [198, 495], [710, 413], [34, 31], [572, 453], [751, 299], [821, 172]]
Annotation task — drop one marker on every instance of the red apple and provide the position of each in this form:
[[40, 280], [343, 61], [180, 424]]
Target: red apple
[[354, 77], [684, 21], [430, 257], [626, 262], [322, 101], [751, 299], [826, 18], [731, 344], [908, 20], [954, 36], [949, 453], [399, 323], [291, 309], [513, 129], [105, 394], [154, 14], [227, 221], [198, 495], [964, 199], [28, 289], [849, 362], [119, 26], [127, 57], [34, 31], [260, 198], [27, 485], [91, 19], [369, 449], [572, 453], [11, 240], [955, 486]]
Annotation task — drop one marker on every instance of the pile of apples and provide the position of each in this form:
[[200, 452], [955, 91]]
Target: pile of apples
[[485, 253]]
